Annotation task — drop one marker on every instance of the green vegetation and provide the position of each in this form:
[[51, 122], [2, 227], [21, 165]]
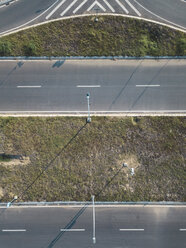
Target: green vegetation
[[154, 146], [110, 36]]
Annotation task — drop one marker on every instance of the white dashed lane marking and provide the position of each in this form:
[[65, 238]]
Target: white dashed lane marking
[[72, 230], [14, 230], [131, 230]]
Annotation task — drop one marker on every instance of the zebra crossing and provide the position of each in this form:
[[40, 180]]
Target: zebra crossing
[[75, 7]]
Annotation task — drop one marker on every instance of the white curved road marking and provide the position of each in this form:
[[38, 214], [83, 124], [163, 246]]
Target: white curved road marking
[[30, 20], [159, 16]]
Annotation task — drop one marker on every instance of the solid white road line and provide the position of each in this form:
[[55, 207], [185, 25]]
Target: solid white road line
[[146, 85], [126, 230], [108, 4], [26, 86], [122, 6], [72, 230], [69, 7], [13, 230], [56, 8], [98, 4], [94, 112], [132, 7], [79, 6], [182, 230], [88, 86]]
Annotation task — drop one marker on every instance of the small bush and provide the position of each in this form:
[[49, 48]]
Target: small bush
[[30, 49], [5, 48]]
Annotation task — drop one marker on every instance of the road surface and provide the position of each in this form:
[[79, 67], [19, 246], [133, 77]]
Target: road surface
[[115, 227], [114, 86]]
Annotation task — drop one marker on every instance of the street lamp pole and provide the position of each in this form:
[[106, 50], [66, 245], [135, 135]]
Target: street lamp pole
[[88, 102], [9, 203], [94, 221]]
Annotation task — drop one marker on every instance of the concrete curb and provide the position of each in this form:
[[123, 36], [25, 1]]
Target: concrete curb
[[21, 28], [75, 203], [90, 58]]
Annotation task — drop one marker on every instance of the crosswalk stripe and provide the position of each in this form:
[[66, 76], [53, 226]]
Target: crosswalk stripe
[[122, 6], [69, 7], [79, 6], [108, 4], [56, 8], [96, 3], [132, 7]]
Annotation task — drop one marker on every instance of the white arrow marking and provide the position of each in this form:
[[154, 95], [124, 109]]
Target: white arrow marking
[[96, 3], [69, 7], [122, 6], [132, 7]]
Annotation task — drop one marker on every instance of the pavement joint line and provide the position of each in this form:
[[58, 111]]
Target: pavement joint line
[[72, 230], [128, 230], [13, 230], [17, 29]]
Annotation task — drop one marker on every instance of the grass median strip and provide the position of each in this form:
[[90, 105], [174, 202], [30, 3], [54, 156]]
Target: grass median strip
[[110, 36], [93, 162]]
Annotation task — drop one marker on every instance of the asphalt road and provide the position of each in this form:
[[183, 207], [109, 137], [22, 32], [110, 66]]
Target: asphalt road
[[23, 13], [115, 227], [114, 86]]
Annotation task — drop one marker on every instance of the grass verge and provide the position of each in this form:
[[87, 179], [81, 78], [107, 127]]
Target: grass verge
[[92, 162], [110, 36]]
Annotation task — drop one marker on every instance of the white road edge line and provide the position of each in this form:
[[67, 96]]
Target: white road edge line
[[25, 86], [96, 3], [182, 230], [179, 26], [13, 230], [88, 86], [24, 24], [131, 230], [146, 85], [132, 7], [122, 6], [69, 7], [72, 230], [55, 9], [79, 7]]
